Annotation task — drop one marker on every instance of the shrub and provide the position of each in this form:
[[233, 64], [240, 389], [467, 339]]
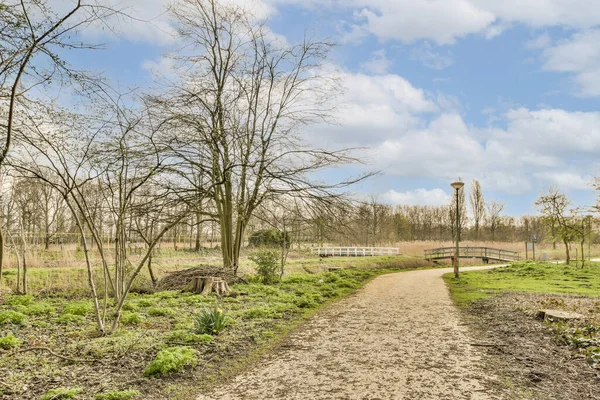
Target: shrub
[[61, 394], [183, 336], [12, 317], [131, 318], [9, 341], [118, 395], [211, 321], [78, 308], [267, 265], [159, 311], [171, 359], [269, 238]]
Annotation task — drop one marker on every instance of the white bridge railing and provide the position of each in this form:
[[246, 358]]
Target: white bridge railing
[[355, 251]]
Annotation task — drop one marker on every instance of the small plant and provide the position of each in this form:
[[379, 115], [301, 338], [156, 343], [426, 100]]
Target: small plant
[[158, 311], [9, 342], [267, 265], [61, 394], [118, 395], [70, 319], [78, 308], [12, 317], [171, 359], [40, 308], [211, 321], [131, 318], [183, 336], [22, 300]]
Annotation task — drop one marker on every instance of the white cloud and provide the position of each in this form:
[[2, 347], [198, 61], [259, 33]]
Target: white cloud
[[540, 42], [372, 108], [410, 20], [579, 55], [379, 64], [565, 180], [422, 197], [430, 58]]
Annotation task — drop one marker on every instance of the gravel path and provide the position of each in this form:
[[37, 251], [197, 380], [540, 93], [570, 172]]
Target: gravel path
[[400, 337]]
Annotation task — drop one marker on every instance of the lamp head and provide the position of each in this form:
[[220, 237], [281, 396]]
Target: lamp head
[[457, 185]]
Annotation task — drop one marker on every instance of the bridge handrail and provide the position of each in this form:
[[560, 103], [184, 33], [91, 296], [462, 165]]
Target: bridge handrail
[[475, 251]]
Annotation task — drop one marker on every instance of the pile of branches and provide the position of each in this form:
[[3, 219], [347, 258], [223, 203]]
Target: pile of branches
[[178, 280]]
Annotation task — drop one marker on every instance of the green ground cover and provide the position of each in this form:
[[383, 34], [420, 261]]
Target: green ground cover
[[160, 351]]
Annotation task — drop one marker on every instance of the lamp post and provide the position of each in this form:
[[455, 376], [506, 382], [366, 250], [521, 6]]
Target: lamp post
[[457, 186]]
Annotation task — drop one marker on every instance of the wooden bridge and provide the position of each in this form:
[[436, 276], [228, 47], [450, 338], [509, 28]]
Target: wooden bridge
[[485, 253], [355, 251]]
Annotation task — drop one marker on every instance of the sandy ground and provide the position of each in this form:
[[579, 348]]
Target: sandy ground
[[400, 337]]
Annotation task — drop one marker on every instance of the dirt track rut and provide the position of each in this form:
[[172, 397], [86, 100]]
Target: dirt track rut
[[400, 337]]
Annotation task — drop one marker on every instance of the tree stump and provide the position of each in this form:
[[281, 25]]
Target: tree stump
[[558, 315], [206, 285]]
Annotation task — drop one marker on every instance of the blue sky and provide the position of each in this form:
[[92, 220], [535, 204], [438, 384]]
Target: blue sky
[[503, 91]]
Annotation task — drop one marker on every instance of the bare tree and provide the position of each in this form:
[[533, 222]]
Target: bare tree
[[477, 203], [238, 111], [494, 209], [31, 37]]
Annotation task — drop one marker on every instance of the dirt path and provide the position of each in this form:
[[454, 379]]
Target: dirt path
[[400, 337]]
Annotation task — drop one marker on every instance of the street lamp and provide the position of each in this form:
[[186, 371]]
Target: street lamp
[[457, 186]]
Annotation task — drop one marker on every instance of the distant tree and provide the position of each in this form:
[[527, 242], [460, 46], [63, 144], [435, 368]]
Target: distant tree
[[477, 203], [554, 207], [494, 209]]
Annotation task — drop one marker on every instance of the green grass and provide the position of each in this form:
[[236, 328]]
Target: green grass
[[530, 276]]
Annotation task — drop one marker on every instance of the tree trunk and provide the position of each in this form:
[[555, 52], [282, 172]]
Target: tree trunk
[[567, 251], [1, 256], [152, 276]]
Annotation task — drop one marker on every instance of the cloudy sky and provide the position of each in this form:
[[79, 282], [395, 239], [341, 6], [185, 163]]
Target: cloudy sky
[[504, 91]]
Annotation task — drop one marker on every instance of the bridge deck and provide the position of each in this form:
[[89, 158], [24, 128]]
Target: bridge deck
[[485, 253]]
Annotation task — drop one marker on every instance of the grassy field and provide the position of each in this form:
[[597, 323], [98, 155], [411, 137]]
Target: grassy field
[[49, 342], [530, 276]]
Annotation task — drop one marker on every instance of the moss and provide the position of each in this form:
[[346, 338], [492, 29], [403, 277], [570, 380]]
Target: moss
[[170, 360]]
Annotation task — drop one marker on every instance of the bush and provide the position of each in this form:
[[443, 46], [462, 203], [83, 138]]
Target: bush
[[267, 265], [131, 318], [61, 394], [211, 321], [9, 341], [12, 317], [269, 238], [78, 308], [118, 395], [171, 359]]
